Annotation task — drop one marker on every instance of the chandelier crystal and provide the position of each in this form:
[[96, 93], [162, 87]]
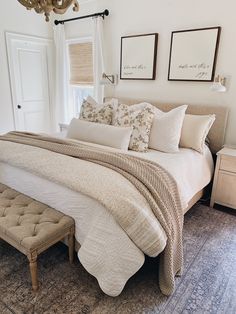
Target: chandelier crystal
[[47, 6]]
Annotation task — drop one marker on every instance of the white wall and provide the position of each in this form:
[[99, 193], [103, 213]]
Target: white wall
[[15, 18], [137, 17]]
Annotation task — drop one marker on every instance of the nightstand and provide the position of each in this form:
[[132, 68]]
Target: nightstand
[[63, 127], [224, 186]]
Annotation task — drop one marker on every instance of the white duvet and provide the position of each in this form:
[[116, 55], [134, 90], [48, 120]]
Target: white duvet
[[191, 170]]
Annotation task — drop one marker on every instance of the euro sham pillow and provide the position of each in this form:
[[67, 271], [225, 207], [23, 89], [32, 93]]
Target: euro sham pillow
[[140, 120], [102, 134], [93, 112], [195, 130], [166, 129]]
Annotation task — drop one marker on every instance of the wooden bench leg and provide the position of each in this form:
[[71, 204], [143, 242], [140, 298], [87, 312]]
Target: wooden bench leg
[[71, 245], [33, 270]]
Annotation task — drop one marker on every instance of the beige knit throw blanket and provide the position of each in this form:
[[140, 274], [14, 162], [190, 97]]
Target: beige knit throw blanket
[[151, 180]]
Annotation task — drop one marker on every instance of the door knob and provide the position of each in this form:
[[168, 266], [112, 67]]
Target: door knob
[[19, 106]]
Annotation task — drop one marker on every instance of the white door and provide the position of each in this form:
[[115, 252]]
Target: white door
[[29, 73]]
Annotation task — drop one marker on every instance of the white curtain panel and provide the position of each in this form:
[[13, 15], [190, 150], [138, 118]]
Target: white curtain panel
[[61, 79], [98, 58]]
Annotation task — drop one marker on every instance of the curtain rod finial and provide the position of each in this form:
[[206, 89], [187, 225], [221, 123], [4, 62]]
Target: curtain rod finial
[[56, 22], [106, 12]]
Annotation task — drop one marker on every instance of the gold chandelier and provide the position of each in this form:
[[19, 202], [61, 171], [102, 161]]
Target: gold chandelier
[[46, 6]]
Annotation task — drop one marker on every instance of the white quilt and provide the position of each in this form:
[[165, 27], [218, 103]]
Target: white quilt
[[193, 172]]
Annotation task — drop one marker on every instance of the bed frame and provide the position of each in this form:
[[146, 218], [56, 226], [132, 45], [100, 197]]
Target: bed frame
[[216, 135]]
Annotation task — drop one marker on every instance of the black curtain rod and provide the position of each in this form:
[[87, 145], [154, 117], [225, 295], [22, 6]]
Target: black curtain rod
[[103, 14]]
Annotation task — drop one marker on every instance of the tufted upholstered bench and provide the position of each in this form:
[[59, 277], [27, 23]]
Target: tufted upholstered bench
[[32, 227]]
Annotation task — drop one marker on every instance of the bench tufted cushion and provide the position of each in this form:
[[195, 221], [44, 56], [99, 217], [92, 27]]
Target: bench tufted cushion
[[27, 222]]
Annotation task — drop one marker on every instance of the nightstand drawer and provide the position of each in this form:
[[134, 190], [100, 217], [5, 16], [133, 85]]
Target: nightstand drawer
[[226, 189], [228, 163]]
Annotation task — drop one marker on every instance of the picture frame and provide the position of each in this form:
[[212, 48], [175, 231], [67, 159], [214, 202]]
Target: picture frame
[[193, 54], [138, 57]]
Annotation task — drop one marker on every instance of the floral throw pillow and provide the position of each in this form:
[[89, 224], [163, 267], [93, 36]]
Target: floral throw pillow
[[140, 120], [90, 111]]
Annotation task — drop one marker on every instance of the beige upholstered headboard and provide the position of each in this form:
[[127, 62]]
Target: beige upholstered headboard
[[217, 132]]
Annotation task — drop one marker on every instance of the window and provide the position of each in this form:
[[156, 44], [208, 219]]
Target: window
[[81, 80]]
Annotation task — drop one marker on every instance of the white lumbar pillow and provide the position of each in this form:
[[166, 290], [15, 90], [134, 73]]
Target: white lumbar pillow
[[102, 134], [195, 130], [166, 129]]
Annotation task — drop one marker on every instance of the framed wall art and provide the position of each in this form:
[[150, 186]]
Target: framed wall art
[[138, 57], [193, 54]]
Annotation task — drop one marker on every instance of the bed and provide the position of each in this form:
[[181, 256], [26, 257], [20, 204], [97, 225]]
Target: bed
[[216, 135], [120, 257]]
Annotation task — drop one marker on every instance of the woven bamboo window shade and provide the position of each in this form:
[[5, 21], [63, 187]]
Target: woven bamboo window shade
[[81, 63]]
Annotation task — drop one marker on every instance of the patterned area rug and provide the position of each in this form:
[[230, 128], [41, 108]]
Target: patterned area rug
[[208, 284]]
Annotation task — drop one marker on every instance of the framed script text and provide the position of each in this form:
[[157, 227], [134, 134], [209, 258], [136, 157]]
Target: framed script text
[[138, 57], [193, 54]]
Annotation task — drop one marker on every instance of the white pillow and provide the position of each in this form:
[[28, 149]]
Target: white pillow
[[195, 130], [102, 134], [166, 129]]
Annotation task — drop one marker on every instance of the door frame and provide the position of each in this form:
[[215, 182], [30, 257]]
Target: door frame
[[48, 43]]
